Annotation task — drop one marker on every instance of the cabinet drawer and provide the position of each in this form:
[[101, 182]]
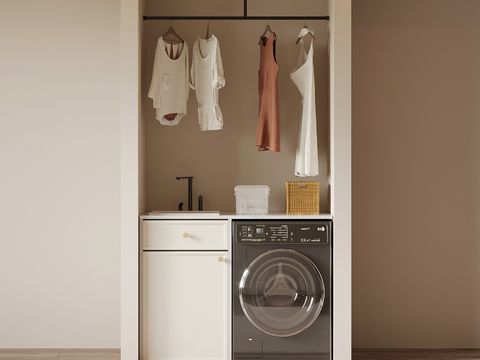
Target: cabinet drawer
[[185, 234]]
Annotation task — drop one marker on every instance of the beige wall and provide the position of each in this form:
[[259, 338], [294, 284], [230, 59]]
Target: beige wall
[[415, 167], [220, 160], [60, 174], [416, 173]]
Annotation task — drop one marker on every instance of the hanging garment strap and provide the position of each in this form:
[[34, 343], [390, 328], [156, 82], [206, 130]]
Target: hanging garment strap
[[304, 32]]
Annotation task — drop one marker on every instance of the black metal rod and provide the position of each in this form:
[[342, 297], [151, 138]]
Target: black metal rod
[[190, 196], [236, 17], [244, 17]]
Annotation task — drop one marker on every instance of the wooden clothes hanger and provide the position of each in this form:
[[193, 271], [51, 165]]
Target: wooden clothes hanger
[[171, 37], [267, 29], [304, 32]]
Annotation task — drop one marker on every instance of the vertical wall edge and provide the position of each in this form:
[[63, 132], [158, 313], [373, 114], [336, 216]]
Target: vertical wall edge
[[341, 174], [130, 22]]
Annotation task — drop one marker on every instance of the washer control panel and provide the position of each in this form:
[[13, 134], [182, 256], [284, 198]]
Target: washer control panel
[[274, 232]]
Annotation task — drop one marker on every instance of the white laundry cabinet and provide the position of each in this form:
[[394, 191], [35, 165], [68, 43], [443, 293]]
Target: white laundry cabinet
[[149, 164], [185, 281]]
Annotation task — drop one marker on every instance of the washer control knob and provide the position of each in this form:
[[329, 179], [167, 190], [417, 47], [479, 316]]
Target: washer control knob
[[185, 235]]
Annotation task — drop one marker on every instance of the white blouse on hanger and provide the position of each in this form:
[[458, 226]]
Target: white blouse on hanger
[[306, 161], [207, 78], [169, 87]]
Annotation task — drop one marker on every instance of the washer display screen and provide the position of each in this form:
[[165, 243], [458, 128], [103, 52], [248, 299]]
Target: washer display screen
[[282, 292]]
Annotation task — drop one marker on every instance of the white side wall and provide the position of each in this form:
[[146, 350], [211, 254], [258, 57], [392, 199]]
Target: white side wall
[[60, 174], [130, 163]]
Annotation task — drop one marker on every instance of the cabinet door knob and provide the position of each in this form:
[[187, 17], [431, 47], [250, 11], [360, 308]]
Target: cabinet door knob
[[220, 259], [185, 235]]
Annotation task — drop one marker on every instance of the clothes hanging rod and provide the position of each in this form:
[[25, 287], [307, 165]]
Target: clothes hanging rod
[[236, 17], [244, 17]]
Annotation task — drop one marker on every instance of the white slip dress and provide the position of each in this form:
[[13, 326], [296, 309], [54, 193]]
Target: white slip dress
[[306, 160]]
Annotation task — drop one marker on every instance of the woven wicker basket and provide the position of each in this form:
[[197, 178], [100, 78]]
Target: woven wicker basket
[[302, 198]]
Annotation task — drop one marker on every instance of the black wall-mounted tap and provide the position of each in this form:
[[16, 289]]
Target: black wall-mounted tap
[[190, 196]]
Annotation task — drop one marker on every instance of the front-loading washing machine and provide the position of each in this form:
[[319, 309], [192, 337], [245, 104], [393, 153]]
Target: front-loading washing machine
[[282, 273]]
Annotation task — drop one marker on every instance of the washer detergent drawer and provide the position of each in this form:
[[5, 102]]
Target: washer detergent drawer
[[185, 234]]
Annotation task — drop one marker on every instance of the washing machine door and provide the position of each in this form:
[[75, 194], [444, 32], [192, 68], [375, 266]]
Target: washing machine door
[[282, 292]]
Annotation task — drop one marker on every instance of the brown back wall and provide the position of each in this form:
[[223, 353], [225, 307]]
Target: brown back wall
[[416, 173]]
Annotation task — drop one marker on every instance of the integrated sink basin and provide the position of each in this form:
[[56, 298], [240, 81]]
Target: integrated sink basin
[[184, 213]]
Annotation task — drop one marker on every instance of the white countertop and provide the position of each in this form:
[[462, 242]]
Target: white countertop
[[201, 215]]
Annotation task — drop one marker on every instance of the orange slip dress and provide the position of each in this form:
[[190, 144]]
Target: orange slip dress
[[268, 127]]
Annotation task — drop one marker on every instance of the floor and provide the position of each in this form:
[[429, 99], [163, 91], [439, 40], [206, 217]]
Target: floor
[[357, 354], [62, 354], [415, 354]]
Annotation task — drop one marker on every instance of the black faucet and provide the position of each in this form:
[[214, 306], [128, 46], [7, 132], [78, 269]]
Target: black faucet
[[190, 181]]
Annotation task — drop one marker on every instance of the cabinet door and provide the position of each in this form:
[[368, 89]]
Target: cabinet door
[[185, 305]]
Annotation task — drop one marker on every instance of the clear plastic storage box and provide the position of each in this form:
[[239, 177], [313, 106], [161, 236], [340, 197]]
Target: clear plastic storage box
[[252, 199]]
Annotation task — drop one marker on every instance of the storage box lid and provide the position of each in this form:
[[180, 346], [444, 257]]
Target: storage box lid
[[247, 188]]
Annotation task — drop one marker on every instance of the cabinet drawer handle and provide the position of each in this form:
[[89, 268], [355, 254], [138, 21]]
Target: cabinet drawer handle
[[220, 259], [185, 235]]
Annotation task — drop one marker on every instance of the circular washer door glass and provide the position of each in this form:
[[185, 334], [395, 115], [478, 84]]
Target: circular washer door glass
[[282, 292]]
